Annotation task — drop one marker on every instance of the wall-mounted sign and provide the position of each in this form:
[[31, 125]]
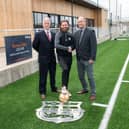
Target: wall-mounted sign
[[18, 48]]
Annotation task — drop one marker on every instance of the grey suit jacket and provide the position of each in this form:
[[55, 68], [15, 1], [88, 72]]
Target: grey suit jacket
[[87, 47]]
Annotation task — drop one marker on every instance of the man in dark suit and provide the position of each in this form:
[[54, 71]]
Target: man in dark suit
[[86, 46], [44, 44]]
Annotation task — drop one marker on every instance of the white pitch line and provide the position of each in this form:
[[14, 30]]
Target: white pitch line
[[125, 81], [111, 103], [99, 105], [122, 39]]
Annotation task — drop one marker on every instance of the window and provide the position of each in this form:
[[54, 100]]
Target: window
[[90, 22], [38, 18], [52, 21], [75, 21], [66, 18], [62, 18], [44, 15], [55, 19]]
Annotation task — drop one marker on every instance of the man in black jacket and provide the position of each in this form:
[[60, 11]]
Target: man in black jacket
[[44, 44], [86, 47], [64, 43]]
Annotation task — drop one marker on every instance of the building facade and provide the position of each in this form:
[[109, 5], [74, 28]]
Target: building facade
[[20, 17]]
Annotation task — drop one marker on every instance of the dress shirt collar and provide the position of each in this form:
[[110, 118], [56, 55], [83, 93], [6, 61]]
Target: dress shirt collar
[[46, 31]]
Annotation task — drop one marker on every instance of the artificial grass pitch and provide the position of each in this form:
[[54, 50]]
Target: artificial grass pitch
[[19, 100]]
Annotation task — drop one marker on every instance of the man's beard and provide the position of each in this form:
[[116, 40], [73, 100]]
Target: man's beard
[[64, 30]]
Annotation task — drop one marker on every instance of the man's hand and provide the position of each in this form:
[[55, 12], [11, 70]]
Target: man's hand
[[91, 61], [69, 49]]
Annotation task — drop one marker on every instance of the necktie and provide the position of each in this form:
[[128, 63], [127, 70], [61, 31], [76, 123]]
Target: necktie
[[80, 35], [48, 36]]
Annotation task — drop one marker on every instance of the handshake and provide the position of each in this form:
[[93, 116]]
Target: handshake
[[70, 49]]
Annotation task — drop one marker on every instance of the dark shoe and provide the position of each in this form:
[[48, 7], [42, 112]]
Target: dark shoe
[[82, 92], [56, 91], [43, 96], [92, 97]]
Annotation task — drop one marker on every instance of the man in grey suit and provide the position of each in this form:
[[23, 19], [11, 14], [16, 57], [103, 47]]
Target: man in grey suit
[[86, 47]]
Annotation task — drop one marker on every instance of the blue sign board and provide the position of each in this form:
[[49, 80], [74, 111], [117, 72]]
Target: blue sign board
[[18, 48]]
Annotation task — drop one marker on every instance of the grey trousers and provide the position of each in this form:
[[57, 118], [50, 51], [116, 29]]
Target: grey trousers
[[83, 68]]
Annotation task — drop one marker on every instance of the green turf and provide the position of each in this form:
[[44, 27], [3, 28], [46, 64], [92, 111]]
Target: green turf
[[120, 116], [120, 119], [19, 100]]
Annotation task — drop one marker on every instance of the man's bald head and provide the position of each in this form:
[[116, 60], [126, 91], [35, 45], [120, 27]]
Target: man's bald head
[[46, 23], [81, 22], [81, 18]]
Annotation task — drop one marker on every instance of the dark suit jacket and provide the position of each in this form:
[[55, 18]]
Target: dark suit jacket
[[87, 47], [44, 47]]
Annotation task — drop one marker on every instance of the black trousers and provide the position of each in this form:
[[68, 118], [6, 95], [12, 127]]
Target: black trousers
[[65, 63], [44, 68]]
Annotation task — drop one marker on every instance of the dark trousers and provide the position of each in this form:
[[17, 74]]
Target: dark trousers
[[65, 63], [43, 72]]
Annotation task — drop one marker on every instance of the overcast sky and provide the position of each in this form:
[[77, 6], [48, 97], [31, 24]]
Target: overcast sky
[[122, 5]]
